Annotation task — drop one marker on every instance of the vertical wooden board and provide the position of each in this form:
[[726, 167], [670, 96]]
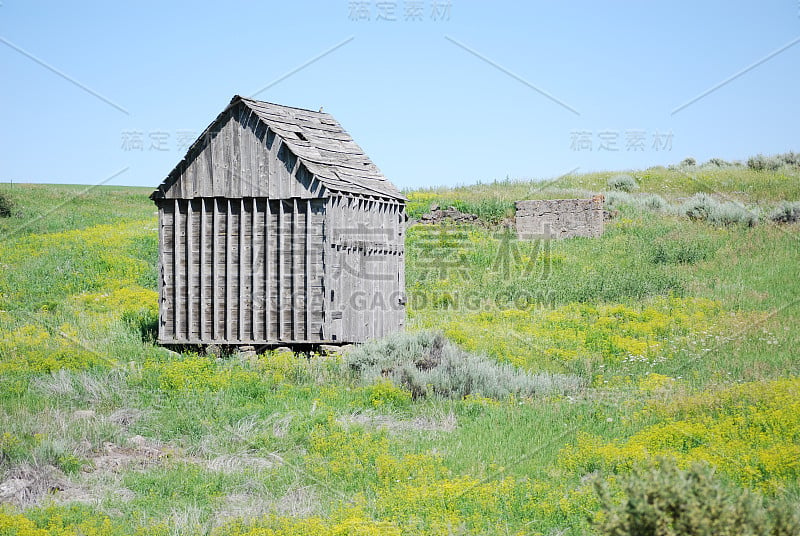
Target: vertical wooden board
[[281, 254], [228, 269], [176, 270], [346, 324], [242, 268], [267, 271], [279, 149], [201, 172], [237, 178], [216, 172], [190, 287], [281, 178], [318, 264], [162, 271], [262, 160], [215, 159], [332, 263], [169, 268], [215, 256], [251, 143], [288, 267], [270, 147], [401, 264], [202, 272], [181, 187], [221, 287], [221, 164], [256, 273], [244, 151], [296, 235], [307, 275], [191, 174], [379, 306], [255, 155]]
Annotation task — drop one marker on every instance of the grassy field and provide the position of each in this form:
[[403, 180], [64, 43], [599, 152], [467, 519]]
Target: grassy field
[[666, 338]]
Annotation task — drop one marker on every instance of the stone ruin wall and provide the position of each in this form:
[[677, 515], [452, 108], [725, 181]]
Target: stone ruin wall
[[559, 218]]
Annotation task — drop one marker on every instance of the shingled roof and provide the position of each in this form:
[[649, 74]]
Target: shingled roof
[[319, 142]]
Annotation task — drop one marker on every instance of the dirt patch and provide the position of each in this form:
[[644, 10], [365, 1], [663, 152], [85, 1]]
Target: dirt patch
[[25, 485], [140, 454]]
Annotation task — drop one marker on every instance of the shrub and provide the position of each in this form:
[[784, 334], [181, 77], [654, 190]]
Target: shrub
[[6, 206], [699, 207], [662, 500], [765, 163], [790, 158], [653, 202], [623, 183], [615, 198], [686, 162], [427, 364], [703, 207], [718, 162], [787, 212], [732, 213]]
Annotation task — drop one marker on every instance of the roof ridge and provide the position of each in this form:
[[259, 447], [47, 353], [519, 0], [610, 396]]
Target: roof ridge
[[250, 99], [320, 155]]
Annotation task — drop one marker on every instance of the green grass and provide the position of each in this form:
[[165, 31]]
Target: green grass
[[662, 319]]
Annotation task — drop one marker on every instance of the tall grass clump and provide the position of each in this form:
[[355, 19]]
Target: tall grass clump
[[427, 364], [661, 499], [489, 210], [787, 212], [622, 183]]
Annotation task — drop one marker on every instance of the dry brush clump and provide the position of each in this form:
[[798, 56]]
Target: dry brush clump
[[6, 206], [427, 364], [661, 499]]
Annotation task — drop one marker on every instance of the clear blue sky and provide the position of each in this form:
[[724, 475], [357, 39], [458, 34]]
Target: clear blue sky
[[450, 92]]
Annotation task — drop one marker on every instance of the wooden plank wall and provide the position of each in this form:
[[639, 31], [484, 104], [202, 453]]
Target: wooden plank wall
[[364, 267], [241, 271], [242, 157]]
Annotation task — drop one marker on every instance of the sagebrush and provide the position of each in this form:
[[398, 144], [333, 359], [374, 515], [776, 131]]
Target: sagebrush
[[660, 499], [427, 364]]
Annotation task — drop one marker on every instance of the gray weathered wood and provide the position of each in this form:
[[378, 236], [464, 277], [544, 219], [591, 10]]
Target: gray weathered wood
[[266, 235]]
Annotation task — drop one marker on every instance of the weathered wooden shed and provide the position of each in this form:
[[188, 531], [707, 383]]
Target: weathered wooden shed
[[275, 229]]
